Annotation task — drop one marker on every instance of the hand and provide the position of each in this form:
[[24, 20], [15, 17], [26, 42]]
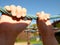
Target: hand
[[45, 29], [44, 17], [11, 22], [43, 22]]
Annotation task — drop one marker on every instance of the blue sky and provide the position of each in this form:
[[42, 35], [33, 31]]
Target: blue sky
[[33, 6]]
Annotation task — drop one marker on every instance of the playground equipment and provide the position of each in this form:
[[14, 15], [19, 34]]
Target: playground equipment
[[4, 11], [29, 36]]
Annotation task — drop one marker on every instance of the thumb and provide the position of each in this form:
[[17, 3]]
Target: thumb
[[25, 21]]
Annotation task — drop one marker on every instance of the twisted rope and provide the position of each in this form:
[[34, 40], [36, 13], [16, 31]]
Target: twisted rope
[[4, 11]]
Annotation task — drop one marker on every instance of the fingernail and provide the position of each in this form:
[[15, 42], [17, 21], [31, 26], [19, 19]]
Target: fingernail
[[18, 16], [24, 9], [23, 15], [13, 13], [7, 7], [19, 7], [42, 12], [13, 5]]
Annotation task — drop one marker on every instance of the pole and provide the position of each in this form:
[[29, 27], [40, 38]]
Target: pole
[[28, 38]]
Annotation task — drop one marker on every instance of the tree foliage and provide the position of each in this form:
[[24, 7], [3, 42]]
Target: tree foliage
[[34, 26], [56, 23]]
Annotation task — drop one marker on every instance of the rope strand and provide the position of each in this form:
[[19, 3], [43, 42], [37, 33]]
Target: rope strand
[[4, 11]]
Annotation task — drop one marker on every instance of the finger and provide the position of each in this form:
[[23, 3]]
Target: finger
[[40, 15], [48, 22], [7, 8], [24, 11], [13, 10], [19, 11], [43, 15], [47, 16], [42, 12]]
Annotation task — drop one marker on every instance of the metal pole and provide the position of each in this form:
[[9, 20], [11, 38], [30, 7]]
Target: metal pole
[[28, 38]]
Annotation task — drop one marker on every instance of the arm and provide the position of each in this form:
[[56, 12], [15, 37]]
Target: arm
[[45, 29]]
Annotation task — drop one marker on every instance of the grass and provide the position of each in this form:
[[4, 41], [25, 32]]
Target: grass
[[20, 40], [32, 41], [36, 42]]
